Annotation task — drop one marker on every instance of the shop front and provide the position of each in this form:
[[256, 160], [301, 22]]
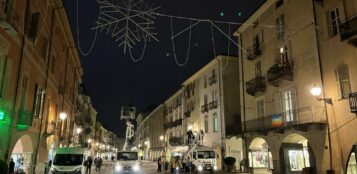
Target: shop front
[[296, 156], [260, 157], [22, 154], [351, 164]]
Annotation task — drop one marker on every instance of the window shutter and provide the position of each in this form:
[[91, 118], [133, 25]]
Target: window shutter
[[35, 101], [338, 85], [344, 81]]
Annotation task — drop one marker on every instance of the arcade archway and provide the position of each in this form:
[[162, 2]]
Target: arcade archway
[[260, 157], [22, 154], [296, 155]]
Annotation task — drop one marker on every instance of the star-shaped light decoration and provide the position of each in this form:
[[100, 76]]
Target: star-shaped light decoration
[[127, 21]]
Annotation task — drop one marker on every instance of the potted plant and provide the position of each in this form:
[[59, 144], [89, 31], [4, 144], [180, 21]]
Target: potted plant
[[230, 164]]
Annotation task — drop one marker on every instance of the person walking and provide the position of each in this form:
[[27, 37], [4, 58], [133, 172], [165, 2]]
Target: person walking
[[176, 165], [11, 166], [159, 161], [88, 164], [96, 164]]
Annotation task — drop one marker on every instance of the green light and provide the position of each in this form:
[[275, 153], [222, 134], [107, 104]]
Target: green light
[[222, 14], [2, 115]]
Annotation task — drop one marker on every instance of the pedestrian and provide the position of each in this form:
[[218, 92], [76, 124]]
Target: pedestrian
[[159, 161], [100, 162], [176, 165], [96, 164], [88, 164], [11, 166]]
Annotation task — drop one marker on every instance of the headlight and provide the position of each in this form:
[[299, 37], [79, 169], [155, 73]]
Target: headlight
[[136, 167], [177, 168], [199, 168], [78, 169], [118, 168], [215, 167]]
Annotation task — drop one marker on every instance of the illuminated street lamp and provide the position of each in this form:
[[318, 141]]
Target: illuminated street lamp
[[316, 92], [79, 130], [63, 116], [161, 138], [89, 140]]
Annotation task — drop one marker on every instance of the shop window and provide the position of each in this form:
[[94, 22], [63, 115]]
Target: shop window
[[261, 158], [352, 165]]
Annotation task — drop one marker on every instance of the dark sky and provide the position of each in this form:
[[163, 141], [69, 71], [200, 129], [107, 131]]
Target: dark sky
[[112, 79]]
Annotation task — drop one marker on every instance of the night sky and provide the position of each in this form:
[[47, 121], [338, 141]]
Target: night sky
[[112, 79]]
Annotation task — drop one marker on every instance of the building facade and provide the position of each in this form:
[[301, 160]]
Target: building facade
[[337, 23], [40, 73], [284, 125]]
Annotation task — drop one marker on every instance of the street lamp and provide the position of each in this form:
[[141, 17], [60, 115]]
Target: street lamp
[[161, 138], [89, 140], [79, 130], [63, 116], [316, 92]]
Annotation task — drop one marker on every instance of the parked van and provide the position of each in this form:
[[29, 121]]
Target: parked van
[[128, 161], [68, 160]]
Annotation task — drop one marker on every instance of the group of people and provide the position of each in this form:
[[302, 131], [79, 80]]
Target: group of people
[[175, 165], [12, 167], [89, 161]]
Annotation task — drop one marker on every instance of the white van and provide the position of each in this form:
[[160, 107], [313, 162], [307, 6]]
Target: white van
[[128, 162], [68, 160]]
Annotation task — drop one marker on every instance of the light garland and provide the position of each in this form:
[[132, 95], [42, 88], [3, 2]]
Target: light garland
[[173, 45]]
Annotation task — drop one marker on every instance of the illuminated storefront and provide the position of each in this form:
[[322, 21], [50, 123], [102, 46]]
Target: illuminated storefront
[[260, 157], [352, 165]]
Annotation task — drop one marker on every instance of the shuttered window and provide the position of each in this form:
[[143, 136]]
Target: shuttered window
[[343, 81], [334, 22], [260, 108]]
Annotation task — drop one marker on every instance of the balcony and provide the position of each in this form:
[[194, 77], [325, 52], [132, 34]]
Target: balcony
[[298, 119], [50, 128], [276, 73], [187, 114], [257, 84], [253, 52], [24, 119], [348, 30], [9, 19], [204, 108], [212, 105], [353, 102]]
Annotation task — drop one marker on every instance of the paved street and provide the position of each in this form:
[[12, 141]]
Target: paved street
[[148, 168]]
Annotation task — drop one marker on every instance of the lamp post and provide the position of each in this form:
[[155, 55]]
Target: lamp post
[[78, 130], [316, 92], [62, 117]]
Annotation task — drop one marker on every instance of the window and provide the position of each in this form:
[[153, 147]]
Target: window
[[205, 82], [206, 124], [334, 22], [38, 101], [2, 72], [283, 56], [215, 122], [352, 165], [279, 3], [289, 106], [32, 28], [53, 64], [280, 27], [343, 81], [260, 108], [205, 100], [214, 92], [23, 94], [258, 69], [44, 48]]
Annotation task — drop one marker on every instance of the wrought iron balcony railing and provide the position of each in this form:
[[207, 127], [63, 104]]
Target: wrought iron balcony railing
[[276, 73], [204, 108], [257, 84], [254, 51], [353, 102], [299, 116], [348, 30], [212, 105], [24, 119]]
